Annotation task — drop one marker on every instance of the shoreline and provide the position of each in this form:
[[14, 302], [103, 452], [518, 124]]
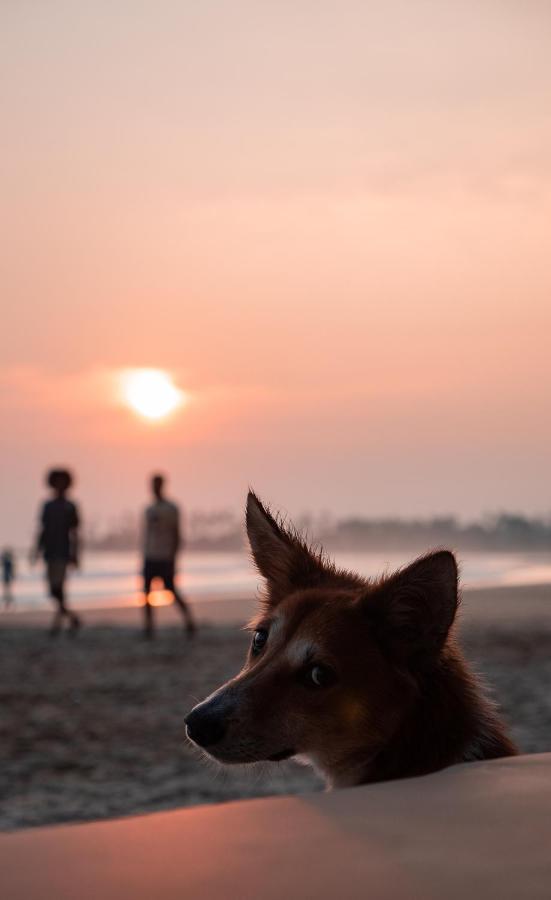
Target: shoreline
[[216, 611], [506, 604]]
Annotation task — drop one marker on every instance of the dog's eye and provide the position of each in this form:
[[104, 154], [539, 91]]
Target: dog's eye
[[321, 676], [259, 639]]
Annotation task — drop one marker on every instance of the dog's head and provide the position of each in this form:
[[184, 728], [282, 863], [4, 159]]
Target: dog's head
[[331, 667]]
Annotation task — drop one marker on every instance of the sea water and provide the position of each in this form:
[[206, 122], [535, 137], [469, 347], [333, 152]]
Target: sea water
[[113, 579]]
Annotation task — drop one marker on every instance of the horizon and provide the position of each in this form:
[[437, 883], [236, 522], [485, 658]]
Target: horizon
[[222, 530], [329, 234]]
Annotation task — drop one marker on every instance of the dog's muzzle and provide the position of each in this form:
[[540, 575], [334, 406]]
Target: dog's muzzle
[[207, 723]]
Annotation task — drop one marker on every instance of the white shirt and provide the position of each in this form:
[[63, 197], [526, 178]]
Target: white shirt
[[162, 530]]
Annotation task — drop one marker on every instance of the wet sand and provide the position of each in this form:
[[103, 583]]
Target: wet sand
[[93, 727]]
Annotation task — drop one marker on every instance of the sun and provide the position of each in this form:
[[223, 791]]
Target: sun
[[151, 393]]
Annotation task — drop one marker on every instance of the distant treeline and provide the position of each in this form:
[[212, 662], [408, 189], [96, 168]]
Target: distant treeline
[[223, 531], [501, 532]]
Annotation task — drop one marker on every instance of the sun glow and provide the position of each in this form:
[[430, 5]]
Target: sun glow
[[151, 393], [157, 597]]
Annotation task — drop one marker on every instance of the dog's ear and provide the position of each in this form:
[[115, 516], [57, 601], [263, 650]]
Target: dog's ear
[[280, 556], [411, 612]]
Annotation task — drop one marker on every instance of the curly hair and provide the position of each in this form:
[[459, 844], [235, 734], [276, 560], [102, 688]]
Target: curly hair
[[59, 479]]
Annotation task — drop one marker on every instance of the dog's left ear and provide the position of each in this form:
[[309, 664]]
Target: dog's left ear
[[281, 557], [411, 612]]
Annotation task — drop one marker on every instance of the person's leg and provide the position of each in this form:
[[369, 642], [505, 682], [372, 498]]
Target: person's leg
[[180, 600], [55, 591], [57, 570], [74, 620], [148, 631]]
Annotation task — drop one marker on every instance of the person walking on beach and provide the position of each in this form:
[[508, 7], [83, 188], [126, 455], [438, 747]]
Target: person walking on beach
[[8, 575], [58, 543], [162, 541]]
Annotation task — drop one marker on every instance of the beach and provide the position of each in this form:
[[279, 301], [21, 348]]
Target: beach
[[93, 727]]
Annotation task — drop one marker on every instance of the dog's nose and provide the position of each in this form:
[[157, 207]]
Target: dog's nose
[[205, 727]]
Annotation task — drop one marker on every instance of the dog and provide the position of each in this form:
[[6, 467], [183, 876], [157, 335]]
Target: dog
[[362, 679]]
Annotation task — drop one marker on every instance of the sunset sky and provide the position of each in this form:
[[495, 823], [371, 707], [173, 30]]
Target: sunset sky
[[330, 223]]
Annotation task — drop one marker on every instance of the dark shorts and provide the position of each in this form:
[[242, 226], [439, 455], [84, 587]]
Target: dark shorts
[[56, 572], [163, 569]]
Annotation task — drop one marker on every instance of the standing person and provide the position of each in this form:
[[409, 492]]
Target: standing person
[[8, 575], [58, 543], [162, 541]]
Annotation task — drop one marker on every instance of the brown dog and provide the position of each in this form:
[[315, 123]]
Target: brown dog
[[362, 679]]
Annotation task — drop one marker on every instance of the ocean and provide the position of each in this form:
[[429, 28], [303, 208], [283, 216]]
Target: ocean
[[113, 579]]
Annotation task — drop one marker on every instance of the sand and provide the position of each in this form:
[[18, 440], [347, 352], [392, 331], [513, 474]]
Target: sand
[[93, 727]]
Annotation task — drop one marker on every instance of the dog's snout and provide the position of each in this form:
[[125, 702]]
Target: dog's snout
[[205, 726]]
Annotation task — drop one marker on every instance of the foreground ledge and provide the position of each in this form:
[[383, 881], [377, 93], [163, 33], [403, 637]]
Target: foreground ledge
[[481, 830]]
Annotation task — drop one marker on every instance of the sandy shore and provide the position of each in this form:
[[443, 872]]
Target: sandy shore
[[93, 727], [527, 605]]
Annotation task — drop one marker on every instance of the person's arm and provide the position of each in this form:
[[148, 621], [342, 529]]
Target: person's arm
[[178, 531], [38, 546], [74, 537], [144, 532]]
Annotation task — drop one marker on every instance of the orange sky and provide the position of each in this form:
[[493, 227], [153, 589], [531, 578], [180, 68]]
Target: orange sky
[[330, 222]]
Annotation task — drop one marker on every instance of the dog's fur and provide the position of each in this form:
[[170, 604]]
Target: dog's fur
[[362, 679]]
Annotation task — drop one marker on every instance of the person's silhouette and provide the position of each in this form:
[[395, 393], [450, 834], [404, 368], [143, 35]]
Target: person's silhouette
[[162, 541], [8, 575], [58, 543]]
